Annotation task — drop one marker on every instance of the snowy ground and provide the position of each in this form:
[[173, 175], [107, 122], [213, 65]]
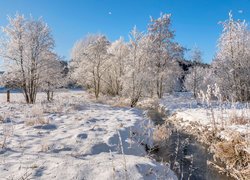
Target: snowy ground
[[74, 138], [184, 107]]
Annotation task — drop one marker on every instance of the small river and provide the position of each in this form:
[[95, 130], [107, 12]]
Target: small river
[[186, 156]]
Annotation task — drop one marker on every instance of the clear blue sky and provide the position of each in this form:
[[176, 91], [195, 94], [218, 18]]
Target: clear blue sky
[[195, 21]]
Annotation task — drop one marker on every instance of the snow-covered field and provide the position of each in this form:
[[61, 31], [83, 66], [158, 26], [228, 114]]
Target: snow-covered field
[[74, 138]]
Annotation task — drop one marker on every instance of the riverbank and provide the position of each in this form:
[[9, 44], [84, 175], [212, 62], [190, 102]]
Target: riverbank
[[222, 130]]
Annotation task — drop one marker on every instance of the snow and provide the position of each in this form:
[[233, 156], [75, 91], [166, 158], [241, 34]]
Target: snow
[[184, 107], [83, 140]]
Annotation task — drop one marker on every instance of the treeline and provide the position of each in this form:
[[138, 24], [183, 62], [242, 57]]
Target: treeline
[[148, 65]]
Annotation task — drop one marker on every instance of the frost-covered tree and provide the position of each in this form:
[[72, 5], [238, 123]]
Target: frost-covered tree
[[89, 61], [9, 81], [136, 67], [24, 47], [147, 64], [232, 63], [196, 56], [116, 63], [164, 53], [52, 76], [193, 80]]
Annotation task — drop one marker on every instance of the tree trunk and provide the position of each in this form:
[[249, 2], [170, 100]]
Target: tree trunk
[[8, 95], [134, 102], [48, 96], [159, 86]]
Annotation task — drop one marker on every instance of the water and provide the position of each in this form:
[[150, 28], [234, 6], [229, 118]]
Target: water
[[186, 156]]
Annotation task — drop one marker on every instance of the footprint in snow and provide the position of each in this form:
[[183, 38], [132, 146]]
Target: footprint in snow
[[92, 120], [82, 136], [46, 127]]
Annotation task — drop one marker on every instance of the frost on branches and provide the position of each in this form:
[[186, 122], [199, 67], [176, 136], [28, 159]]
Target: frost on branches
[[164, 54], [232, 63], [26, 48], [89, 61], [52, 76], [144, 66], [116, 67], [137, 67], [195, 81]]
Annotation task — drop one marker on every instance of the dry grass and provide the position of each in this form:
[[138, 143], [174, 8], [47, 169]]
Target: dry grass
[[45, 146], [235, 155], [8, 131], [37, 121], [35, 116], [161, 134], [55, 107], [239, 120], [113, 101], [1, 119]]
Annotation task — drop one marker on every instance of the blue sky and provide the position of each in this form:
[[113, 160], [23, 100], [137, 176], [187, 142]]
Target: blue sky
[[195, 21]]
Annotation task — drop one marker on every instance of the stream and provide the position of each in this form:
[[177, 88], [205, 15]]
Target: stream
[[186, 156]]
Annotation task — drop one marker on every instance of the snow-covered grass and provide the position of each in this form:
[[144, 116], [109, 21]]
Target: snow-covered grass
[[75, 138], [225, 127], [228, 116]]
